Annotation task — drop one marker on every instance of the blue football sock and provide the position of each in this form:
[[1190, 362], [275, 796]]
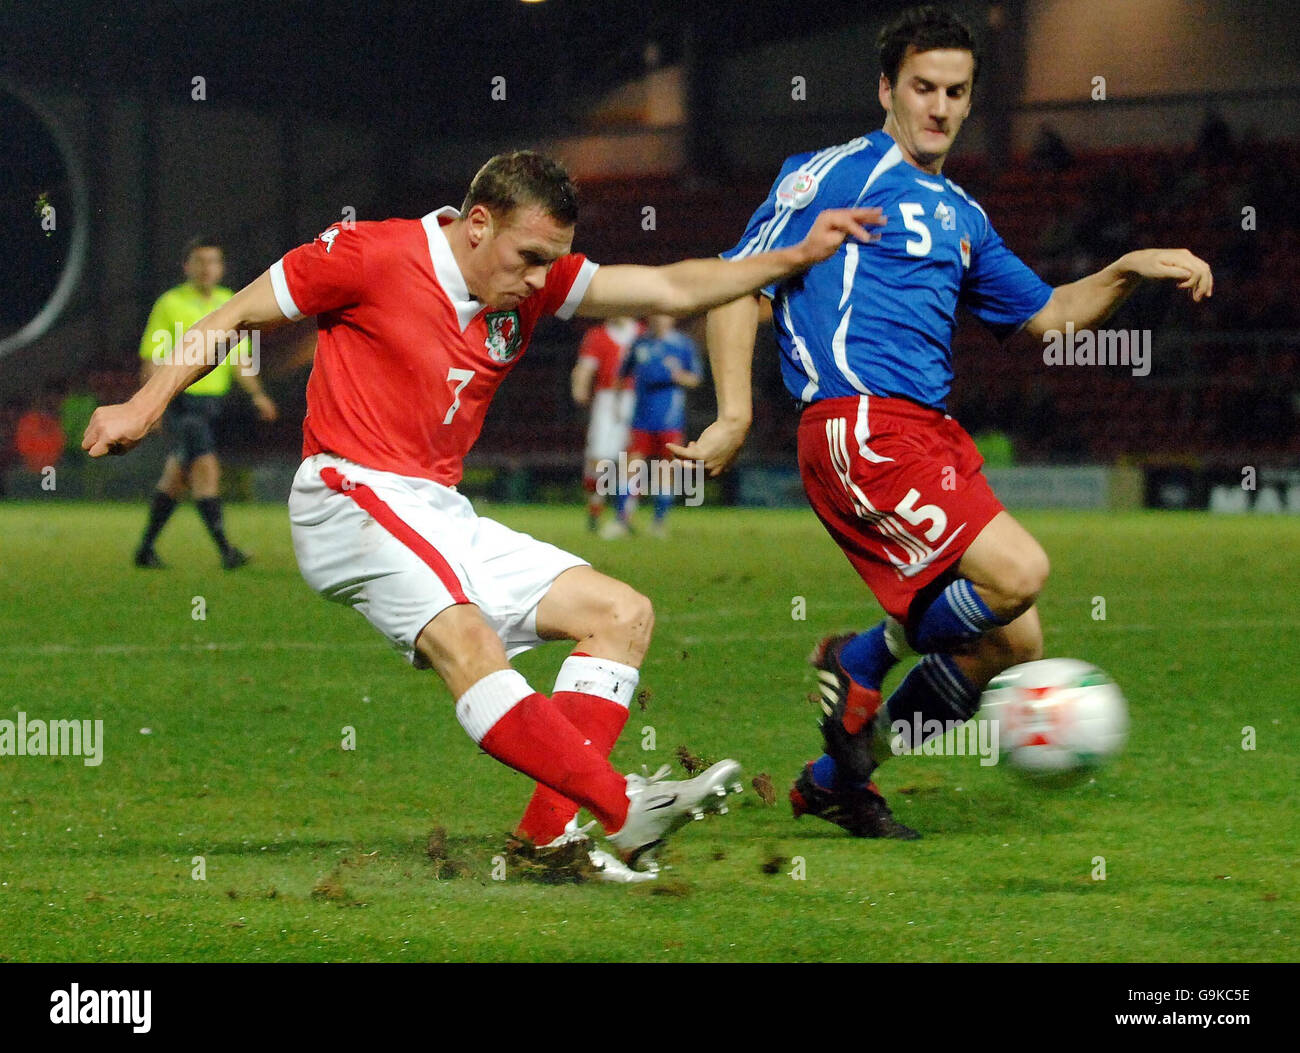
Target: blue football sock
[[663, 502], [823, 772], [957, 616], [934, 690], [867, 658]]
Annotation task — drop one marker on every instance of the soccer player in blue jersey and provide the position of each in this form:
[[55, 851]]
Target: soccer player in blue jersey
[[865, 340], [664, 363]]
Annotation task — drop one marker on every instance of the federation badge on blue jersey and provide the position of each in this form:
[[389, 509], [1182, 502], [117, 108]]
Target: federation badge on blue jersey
[[796, 189], [504, 335], [965, 250]]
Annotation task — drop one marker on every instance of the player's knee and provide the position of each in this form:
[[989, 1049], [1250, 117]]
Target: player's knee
[[1024, 578], [631, 617]]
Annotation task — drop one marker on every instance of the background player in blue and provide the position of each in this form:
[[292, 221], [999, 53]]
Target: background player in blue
[[865, 340], [663, 363]]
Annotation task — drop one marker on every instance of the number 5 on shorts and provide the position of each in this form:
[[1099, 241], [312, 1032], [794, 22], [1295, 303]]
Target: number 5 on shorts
[[464, 376], [925, 514]]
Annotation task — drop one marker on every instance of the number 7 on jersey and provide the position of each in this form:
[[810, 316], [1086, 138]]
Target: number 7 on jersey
[[464, 376]]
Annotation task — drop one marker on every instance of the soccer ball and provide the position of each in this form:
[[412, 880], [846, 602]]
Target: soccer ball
[[1058, 719]]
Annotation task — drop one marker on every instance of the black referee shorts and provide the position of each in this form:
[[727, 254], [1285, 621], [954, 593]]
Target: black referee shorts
[[189, 425]]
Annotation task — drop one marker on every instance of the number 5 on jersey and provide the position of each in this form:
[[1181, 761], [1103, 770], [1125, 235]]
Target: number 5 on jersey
[[912, 214], [459, 377]]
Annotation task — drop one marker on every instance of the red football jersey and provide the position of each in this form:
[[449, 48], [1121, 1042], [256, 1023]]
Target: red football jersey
[[605, 345], [407, 361]]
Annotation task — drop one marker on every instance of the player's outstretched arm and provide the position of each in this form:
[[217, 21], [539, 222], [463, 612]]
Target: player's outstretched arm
[[730, 334], [116, 429], [692, 286], [1091, 300]]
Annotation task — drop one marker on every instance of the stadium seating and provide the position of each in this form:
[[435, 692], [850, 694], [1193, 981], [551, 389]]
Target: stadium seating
[[1223, 383]]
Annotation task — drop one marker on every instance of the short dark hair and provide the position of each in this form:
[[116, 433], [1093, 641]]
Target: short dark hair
[[200, 241], [524, 178], [923, 29]]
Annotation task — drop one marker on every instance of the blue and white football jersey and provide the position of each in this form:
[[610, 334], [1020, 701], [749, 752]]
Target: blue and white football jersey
[[878, 318]]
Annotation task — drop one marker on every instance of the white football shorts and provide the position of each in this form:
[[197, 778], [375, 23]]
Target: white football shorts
[[401, 549], [608, 429]]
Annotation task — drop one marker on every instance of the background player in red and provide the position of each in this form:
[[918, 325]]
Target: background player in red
[[419, 322], [597, 381]]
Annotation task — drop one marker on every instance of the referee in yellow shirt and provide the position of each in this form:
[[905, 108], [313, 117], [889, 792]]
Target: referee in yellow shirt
[[193, 461]]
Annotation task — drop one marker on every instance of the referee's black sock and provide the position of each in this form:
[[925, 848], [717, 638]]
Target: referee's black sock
[[160, 511], [210, 510]]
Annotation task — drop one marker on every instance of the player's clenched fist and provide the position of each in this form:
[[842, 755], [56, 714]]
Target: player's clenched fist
[[113, 429], [836, 225]]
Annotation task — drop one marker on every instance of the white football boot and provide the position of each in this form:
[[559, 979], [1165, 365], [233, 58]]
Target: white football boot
[[614, 869], [658, 806], [572, 832]]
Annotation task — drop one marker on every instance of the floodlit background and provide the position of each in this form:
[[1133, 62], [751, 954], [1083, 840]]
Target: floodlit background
[[143, 124]]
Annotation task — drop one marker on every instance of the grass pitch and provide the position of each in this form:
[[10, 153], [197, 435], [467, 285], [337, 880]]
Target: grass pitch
[[223, 741]]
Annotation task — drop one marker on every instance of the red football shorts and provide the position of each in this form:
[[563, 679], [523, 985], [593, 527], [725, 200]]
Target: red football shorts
[[651, 444], [899, 488]]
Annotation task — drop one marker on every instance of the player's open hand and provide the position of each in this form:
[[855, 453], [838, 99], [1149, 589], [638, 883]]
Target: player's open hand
[[114, 429], [1191, 272], [835, 226], [716, 447]]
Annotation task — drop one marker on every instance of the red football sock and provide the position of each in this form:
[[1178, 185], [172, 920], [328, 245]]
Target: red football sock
[[601, 721], [597, 715], [523, 729]]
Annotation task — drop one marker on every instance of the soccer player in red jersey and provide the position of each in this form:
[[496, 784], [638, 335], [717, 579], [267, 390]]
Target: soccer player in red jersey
[[598, 381], [419, 322]]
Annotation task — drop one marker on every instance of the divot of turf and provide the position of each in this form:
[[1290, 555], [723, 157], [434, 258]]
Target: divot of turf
[[566, 864], [693, 764]]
